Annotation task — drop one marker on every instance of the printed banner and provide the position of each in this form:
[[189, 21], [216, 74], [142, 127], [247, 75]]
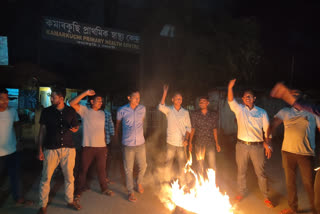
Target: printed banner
[[89, 35]]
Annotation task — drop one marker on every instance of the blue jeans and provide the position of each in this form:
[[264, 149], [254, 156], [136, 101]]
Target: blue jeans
[[12, 163], [179, 153], [130, 154], [256, 154]]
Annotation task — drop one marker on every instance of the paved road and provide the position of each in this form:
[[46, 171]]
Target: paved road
[[94, 202]]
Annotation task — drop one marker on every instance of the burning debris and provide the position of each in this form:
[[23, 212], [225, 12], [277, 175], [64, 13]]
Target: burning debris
[[202, 198]]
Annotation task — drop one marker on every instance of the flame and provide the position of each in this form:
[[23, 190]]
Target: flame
[[201, 154], [204, 197]]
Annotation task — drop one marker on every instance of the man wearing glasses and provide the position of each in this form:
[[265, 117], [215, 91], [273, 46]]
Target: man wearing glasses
[[252, 121]]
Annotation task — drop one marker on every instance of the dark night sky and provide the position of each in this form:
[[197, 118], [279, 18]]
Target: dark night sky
[[292, 28], [289, 28]]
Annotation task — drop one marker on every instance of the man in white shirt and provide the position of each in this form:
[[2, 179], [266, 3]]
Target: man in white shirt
[[93, 144], [8, 155], [298, 150], [252, 122], [178, 131]]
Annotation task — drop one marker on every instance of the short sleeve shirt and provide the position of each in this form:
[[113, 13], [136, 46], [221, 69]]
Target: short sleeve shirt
[[251, 122], [204, 125], [93, 127], [132, 124], [8, 140], [299, 131], [58, 124]]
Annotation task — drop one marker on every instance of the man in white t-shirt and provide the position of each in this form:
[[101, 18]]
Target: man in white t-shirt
[[93, 144], [298, 150], [8, 142]]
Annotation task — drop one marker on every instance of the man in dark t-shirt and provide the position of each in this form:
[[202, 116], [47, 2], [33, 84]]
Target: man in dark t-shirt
[[204, 135], [56, 147]]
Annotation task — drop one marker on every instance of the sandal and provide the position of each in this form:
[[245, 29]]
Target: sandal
[[288, 211], [74, 205], [132, 198], [108, 192], [268, 203], [237, 199], [140, 188]]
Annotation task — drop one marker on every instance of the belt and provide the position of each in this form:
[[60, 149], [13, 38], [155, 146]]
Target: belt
[[250, 143]]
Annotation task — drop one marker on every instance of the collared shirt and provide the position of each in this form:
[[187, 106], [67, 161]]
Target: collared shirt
[[251, 123], [299, 131], [109, 127], [204, 125], [132, 124], [8, 141], [93, 127], [178, 124], [57, 125]]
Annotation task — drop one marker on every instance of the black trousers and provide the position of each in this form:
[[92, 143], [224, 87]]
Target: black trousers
[[90, 155], [12, 164]]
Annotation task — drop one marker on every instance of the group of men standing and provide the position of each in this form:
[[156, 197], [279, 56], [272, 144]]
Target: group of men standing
[[298, 147], [56, 147], [254, 139], [198, 130], [254, 142]]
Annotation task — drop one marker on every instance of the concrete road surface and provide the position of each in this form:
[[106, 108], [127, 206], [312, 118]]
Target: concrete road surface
[[93, 201]]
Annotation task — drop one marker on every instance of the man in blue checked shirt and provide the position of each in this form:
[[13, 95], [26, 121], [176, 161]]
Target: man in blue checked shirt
[[109, 128]]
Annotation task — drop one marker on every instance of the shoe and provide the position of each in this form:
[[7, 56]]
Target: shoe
[[132, 198], [268, 203], [42, 210], [108, 192], [74, 205], [140, 189], [288, 211]]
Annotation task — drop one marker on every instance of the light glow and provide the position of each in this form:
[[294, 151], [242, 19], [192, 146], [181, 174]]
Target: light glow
[[203, 198]]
